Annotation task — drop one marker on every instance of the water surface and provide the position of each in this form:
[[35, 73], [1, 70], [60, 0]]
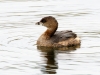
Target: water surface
[[18, 34]]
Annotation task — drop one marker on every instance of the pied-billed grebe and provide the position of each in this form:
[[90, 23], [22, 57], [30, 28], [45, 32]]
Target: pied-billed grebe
[[53, 38]]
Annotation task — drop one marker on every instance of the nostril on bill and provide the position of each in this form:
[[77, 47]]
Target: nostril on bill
[[37, 23]]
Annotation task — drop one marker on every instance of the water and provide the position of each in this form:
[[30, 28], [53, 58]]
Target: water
[[18, 34]]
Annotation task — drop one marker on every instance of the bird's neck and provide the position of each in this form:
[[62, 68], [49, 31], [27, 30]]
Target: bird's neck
[[50, 32]]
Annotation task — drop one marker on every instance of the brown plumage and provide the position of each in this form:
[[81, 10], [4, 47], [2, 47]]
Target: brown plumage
[[53, 38]]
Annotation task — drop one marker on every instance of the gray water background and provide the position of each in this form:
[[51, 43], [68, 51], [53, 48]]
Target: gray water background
[[19, 54]]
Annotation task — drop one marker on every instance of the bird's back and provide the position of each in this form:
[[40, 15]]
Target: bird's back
[[65, 38]]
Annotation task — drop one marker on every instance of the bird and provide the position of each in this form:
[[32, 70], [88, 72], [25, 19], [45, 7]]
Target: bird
[[53, 38]]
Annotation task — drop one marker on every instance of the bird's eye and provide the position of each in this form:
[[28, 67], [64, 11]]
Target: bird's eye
[[43, 21]]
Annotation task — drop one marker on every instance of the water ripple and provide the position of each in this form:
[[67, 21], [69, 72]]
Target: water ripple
[[18, 35]]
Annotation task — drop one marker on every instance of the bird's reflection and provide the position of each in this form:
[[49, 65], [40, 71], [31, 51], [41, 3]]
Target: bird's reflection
[[51, 64], [50, 54]]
